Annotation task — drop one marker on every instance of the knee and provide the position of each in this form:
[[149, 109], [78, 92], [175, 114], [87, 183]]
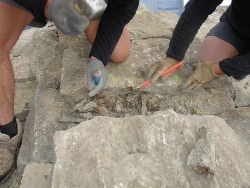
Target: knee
[[5, 48], [4, 55], [120, 56]]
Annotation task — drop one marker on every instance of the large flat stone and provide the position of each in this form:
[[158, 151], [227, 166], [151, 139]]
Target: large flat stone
[[242, 90], [147, 151], [52, 88], [37, 175]]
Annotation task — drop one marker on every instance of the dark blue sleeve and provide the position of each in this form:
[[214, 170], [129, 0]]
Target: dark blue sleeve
[[117, 14], [237, 66], [36, 7], [194, 15]]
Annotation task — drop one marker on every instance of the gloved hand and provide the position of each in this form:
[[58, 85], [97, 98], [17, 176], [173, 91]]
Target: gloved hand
[[95, 83], [156, 69], [93, 9], [67, 16], [203, 73]]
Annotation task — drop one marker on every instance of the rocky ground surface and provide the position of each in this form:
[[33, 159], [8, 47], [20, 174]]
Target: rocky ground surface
[[152, 137]]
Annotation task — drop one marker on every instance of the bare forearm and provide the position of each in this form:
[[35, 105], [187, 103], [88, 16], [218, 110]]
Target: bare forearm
[[46, 8]]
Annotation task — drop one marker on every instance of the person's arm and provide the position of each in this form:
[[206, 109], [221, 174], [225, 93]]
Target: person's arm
[[36, 7], [206, 71], [63, 13], [195, 13], [117, 14], [237, 66]]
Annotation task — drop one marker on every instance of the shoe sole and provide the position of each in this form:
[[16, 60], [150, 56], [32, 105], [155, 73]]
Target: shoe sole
[[5, 178]]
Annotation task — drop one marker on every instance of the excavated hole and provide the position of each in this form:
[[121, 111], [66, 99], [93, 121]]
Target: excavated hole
[[121, 106]]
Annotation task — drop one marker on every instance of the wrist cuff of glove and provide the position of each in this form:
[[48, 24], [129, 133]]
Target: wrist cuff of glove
[[215, 75]]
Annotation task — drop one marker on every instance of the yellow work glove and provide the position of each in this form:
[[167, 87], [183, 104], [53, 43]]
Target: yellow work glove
[[156, 69], [203, 73]]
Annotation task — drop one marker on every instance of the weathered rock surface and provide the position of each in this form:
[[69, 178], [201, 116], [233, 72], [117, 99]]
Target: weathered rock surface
[[151, 151], [51, 96], [37, 176], [202, 157]]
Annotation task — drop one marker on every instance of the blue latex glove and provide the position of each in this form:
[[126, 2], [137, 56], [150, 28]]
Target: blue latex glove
[[96, 82]]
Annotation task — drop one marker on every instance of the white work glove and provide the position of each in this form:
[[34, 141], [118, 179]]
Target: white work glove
[[67, 16], [96, 76]]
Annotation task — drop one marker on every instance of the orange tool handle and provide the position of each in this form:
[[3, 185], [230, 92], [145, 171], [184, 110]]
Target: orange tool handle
[[165, 72], [172, 68]]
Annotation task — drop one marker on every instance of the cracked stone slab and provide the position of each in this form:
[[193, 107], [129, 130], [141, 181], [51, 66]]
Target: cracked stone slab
[[146, 151], [37, 175]]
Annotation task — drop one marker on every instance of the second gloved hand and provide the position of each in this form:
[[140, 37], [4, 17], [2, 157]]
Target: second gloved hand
[[67, 16], [156, 69], [203, 73], [96, 83]]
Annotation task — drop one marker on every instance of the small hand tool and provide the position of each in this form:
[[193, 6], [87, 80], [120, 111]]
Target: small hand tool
[[96, 76], [165, 72]]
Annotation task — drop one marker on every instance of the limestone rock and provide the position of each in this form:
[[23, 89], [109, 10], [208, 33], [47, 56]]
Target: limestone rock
[[148, 151], [37, 175], [202, 157], [242, 90], [58, 67], [51, 95]]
